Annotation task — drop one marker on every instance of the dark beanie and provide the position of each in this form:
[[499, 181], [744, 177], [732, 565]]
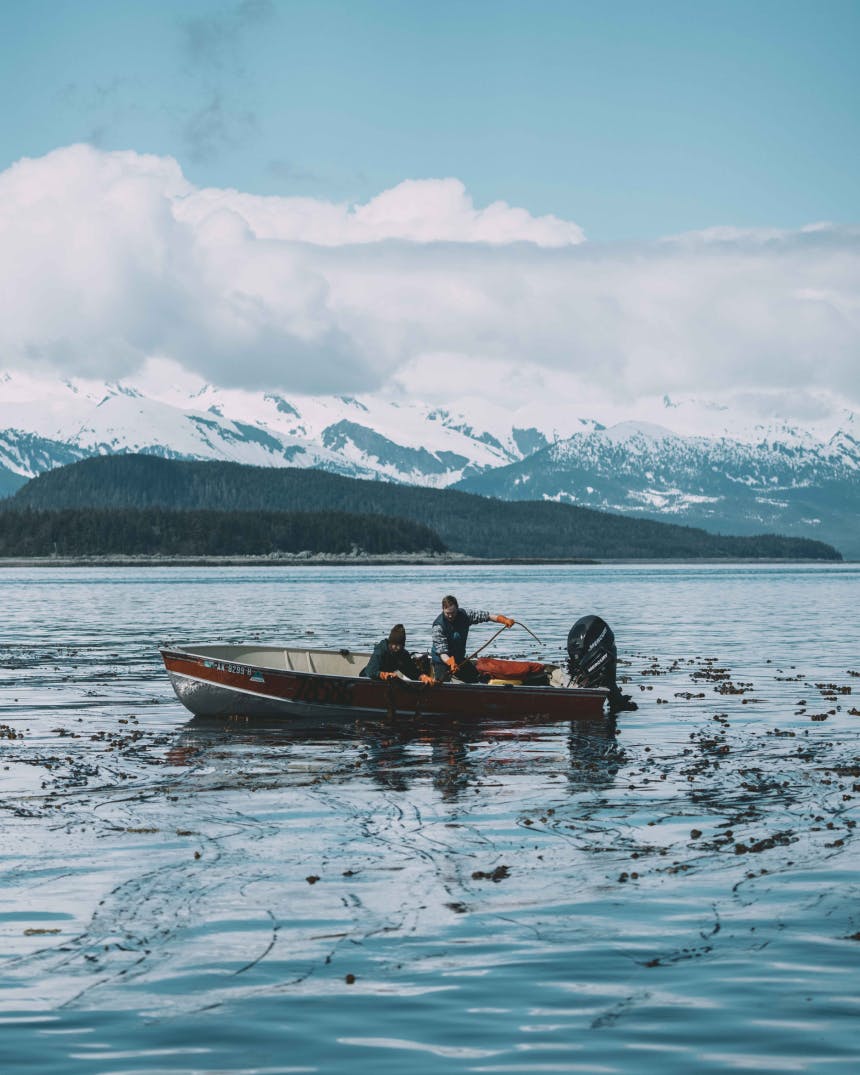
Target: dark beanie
[[398, 634]]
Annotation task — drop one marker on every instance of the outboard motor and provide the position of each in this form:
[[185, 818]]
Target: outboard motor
[[593, 658]]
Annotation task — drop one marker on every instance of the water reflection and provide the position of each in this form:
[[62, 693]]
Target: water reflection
[[451, 756]]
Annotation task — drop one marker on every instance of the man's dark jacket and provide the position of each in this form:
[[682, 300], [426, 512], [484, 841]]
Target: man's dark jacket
[[383, 660]]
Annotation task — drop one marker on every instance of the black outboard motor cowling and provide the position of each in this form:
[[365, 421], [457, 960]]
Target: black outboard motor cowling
[[592, 653], [593, 659]]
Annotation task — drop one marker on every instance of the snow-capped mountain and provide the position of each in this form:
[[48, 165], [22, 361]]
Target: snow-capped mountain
[[757, 479], [786, 481], [46, 424]]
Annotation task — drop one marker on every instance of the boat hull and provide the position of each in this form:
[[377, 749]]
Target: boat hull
[[210, 683]]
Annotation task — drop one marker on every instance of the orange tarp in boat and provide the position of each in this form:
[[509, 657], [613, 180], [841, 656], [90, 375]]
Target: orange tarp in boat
[[499, 669]]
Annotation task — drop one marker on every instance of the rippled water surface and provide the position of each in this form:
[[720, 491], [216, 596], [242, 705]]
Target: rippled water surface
[[674, 892]]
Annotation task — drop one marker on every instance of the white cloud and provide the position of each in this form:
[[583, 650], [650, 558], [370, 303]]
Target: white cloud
[[417, 210], [107, 259]]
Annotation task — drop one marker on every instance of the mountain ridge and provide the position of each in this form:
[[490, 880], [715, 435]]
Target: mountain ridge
[[466, 523], [724, 483], [714, 483]]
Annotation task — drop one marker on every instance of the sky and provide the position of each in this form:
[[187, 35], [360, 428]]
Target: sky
[[629, 199]]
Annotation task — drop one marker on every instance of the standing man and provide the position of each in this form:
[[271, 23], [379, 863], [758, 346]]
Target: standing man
[[450, 632]]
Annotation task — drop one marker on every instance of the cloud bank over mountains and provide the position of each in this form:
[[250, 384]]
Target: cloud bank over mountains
[[108, 259]]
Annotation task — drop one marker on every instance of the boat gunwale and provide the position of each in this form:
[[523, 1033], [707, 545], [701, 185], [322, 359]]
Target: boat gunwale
[[402, 682]]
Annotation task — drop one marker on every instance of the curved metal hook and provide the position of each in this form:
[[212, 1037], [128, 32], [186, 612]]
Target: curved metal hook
[[530, 631], [472, 656]]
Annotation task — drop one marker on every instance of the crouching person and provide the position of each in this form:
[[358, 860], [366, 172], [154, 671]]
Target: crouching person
[[390, 657]]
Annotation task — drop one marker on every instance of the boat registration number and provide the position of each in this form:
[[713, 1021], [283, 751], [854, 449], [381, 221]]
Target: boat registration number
[[235, 669]]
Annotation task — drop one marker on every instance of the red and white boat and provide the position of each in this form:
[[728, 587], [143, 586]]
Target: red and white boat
[[319, 684]]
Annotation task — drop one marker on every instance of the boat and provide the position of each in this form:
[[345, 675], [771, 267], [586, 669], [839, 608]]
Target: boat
[[218, 680]]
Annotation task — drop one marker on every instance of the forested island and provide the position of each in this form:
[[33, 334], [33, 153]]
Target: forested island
[[167, 532], [140, 504]]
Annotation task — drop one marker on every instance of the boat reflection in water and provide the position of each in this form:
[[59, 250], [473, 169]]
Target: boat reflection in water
[[453, 756]]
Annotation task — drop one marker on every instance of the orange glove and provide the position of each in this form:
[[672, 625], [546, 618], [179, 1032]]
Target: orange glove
[[388, 675], [427, 679], [506, 620], [452, 664]]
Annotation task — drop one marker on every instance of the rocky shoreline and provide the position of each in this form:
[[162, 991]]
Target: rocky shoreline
[[282, 560], [361, 560]]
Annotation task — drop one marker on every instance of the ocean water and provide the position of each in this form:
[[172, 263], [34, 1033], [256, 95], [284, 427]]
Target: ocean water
[[674, 891]]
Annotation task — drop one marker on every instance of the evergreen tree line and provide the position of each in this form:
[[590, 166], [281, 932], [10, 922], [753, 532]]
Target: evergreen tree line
[[465, 522], [168, 532]]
